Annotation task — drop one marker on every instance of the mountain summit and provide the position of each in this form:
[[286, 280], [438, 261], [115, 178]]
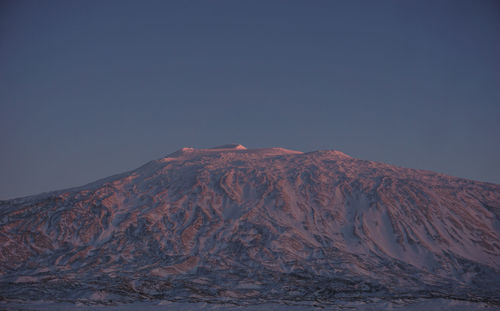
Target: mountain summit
[[230, 224], [231, 146]]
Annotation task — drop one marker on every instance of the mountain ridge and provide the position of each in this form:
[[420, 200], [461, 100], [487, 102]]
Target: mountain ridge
[[185, 150], [253, 225]]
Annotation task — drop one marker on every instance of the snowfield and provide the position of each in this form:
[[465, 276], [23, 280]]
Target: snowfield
[[229, 228]]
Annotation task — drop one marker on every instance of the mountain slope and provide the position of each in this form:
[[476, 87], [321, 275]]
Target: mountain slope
[[247, 226]]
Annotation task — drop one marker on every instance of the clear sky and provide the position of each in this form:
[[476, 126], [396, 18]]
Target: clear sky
[[93, 88]]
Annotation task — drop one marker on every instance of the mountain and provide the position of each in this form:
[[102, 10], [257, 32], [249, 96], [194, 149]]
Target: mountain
[[244, 226]]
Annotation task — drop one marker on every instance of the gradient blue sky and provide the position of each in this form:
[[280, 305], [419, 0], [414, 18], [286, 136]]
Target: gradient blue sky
[[93, 88]]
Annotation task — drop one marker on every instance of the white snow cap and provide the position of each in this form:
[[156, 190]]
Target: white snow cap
[[231, 146]]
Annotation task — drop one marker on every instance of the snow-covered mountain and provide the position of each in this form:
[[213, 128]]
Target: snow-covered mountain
[[229, 224]]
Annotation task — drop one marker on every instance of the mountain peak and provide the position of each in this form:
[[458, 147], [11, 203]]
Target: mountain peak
[[231, 146], [287, 223]]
